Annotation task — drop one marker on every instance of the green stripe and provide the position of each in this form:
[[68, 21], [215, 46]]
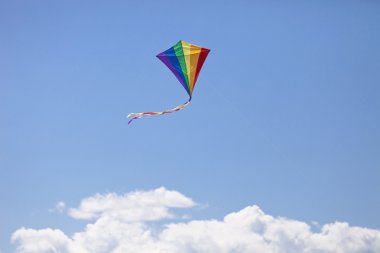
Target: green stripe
[[179, 53]]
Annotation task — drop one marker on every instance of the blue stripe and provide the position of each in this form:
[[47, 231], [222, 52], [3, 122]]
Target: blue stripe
[[176, 67]]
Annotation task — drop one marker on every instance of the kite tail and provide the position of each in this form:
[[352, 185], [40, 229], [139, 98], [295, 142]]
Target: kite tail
[[138, 115]]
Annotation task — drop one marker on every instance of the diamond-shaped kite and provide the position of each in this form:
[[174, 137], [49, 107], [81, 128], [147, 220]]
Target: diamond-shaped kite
[[185, 60]]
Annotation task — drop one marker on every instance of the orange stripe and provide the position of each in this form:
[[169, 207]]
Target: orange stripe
[[194, 56]]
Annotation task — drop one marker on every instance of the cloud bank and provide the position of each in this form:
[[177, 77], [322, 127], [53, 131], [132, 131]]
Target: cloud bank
[[125, 224]]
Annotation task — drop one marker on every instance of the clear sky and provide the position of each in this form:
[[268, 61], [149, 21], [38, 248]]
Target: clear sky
[[285, 113]]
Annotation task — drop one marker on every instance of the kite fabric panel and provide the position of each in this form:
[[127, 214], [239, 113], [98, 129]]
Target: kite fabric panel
[[185, 60]]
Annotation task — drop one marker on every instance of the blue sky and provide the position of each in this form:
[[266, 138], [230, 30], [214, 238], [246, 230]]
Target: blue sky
[[285, 114]]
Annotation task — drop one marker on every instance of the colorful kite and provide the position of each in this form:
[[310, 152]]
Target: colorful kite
[[185, 60]]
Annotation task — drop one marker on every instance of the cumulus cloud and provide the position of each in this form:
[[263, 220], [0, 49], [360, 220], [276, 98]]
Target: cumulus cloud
[[43, 240], [134, 206], [123, 224]]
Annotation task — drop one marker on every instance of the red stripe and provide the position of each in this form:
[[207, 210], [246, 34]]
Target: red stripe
[[202, 57]]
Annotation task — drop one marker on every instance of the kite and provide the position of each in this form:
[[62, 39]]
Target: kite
[[185, 60]]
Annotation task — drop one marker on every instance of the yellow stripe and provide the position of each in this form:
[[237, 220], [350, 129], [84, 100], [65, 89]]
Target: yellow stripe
[[191, 54], [186, 55], [194, 56]]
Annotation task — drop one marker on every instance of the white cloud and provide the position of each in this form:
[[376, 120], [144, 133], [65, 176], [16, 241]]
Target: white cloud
[[43, 240], [134, 206], [120, 226], [58, 208]]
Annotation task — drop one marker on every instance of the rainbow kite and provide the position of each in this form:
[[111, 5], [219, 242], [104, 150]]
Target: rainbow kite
[[185, 60]]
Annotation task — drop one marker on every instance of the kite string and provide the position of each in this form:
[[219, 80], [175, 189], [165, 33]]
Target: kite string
[[137, 115]]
